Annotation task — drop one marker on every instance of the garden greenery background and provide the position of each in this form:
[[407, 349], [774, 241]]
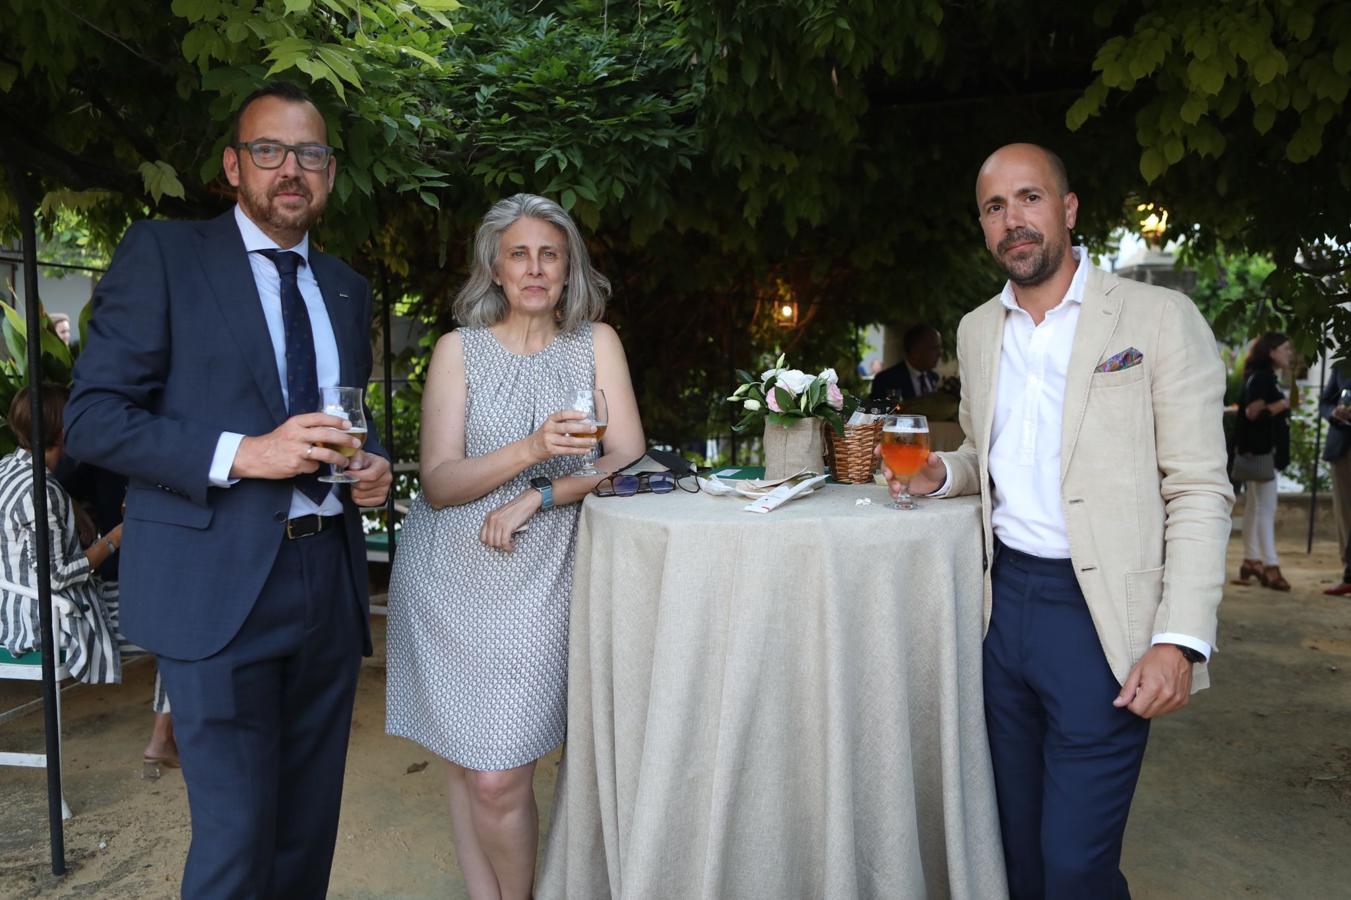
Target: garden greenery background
[[720, 155]]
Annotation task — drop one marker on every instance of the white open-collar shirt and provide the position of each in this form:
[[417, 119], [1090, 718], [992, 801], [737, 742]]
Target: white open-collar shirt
[[1028, 415]]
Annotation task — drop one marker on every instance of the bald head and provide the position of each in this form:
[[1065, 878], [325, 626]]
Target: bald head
[[1026, 212], [1029, 154]]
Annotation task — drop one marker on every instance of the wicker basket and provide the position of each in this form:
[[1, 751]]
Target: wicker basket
[[851, 457]]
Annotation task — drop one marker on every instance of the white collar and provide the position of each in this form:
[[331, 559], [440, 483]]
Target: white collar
[[255, 239], [1075, 294]]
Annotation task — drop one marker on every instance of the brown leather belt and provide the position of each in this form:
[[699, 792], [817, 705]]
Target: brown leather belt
[[307, 526]]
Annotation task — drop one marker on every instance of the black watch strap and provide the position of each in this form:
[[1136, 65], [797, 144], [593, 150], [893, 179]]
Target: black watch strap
[[1190, 655]]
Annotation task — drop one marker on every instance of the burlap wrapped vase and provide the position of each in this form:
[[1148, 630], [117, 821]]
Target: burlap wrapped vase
[[792, 448]]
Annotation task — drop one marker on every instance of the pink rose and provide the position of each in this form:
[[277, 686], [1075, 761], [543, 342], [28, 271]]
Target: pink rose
[[772, 401], [834, 396]]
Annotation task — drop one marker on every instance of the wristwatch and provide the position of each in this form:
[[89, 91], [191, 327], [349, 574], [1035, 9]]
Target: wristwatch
[[546, 491], [1190, 655]]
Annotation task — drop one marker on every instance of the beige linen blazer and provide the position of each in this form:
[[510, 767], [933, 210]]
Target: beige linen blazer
[[1144, 489]]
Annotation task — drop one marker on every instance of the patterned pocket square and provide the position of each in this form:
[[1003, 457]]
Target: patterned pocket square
[[1126, 359]]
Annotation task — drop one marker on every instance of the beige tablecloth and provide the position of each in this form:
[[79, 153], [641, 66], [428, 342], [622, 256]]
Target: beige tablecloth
[[775, 706]]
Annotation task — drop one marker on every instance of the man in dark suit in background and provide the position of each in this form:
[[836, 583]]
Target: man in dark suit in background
[[242, 572], [913, 376], [1337, 452]]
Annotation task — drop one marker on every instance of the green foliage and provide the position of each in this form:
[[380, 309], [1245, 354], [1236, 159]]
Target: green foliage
[[1231, 293], [719, 153], [56, 366], [1306, 461], [1242, 131]]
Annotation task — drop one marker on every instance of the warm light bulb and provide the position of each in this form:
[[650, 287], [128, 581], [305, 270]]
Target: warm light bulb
[[786, 311], [1155, 225]]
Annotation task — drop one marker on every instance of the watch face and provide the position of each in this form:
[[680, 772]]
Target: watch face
[[540, 482]]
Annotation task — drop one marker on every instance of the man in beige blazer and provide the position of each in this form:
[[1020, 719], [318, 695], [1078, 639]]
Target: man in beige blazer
[[1092, 409]]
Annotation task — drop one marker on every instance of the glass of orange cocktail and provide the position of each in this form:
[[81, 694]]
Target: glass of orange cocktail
[[905, 449]]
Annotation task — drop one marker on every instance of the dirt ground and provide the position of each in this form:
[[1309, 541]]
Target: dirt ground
[[1245, 794]]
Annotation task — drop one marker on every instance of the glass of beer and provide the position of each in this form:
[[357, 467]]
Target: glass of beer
[[345, 403], [905, 449], [592, 405]]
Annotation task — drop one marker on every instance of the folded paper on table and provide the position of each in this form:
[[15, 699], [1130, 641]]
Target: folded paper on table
[[754, 488], [789, 490]]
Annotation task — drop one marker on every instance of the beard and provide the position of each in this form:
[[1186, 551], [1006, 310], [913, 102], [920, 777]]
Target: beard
[[263, 207], [1032, 267]]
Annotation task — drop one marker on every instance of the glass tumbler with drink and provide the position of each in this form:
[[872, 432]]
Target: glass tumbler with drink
[[595, 412], [345, 403], [905, 449]]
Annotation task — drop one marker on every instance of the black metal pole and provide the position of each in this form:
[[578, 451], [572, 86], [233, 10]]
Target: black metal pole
[[388, 312], [23, 200], [1317, 442]]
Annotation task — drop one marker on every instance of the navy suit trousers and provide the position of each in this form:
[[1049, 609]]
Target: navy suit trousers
[[262, 728], [1066, 761]]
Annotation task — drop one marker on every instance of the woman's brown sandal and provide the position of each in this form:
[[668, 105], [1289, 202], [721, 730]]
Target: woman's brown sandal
[[1273, 579], [1251, 568]]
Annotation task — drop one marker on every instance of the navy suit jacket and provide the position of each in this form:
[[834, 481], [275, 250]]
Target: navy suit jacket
[[895, 378], [1339, 435], [178, 352]]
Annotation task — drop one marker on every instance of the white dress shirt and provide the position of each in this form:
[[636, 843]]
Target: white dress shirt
[[1024, 462], [268, 280], [1029, 408], [918, 380]]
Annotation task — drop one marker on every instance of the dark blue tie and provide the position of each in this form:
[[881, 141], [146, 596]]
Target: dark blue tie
[[302, 376]]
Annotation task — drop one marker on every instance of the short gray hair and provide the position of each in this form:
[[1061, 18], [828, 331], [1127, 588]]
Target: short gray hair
[[481, 301]]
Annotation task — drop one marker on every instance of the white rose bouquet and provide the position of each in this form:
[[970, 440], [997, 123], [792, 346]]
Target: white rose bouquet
[[782, 395]]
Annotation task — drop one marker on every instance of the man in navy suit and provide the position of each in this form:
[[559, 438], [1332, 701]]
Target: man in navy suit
[[913, 376], [1337, 453], [242, 572]]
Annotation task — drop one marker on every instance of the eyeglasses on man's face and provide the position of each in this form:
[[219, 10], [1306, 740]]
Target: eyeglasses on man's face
[[271, 154]]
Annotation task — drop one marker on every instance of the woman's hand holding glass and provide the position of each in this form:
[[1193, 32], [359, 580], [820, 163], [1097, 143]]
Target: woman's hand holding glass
[[596, 412], [562, 435]]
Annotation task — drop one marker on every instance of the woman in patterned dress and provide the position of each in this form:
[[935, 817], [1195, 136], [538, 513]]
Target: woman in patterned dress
[[478, 598]]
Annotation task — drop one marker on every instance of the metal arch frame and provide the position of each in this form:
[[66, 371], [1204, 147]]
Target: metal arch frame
[[20, 190]]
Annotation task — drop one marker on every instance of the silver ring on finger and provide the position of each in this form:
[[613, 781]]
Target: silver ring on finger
[[309, 450]]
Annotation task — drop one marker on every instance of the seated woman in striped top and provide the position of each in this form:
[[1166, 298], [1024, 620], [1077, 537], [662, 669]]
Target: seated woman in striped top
[[88, 632]]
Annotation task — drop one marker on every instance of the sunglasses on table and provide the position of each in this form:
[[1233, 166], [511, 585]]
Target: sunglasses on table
[[646, 483]]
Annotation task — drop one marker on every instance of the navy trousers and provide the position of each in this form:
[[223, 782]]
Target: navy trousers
[[262, 730], [1066, 760]]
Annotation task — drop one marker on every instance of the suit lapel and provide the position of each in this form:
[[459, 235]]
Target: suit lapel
[[236, 293], [994, 348], [1098, 317], [338, 305]]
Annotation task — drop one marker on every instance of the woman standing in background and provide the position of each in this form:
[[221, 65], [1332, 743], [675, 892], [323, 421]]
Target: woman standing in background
[[1263, 427]]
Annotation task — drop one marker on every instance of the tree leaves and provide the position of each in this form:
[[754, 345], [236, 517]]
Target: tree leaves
[[713, 152], [161, 180]]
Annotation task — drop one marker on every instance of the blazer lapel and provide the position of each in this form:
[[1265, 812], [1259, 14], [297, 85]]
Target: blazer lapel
[[236, 293], [1098, 317], [994, 335], [339, 308]]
